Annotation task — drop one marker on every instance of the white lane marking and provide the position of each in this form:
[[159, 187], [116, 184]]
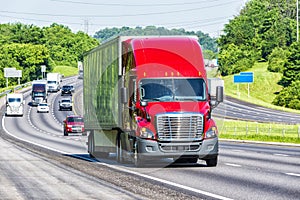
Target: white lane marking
[[238, 150], [4, 128], [233, 165], [293, 174], [279, 154], [127, 171], [168, 182]]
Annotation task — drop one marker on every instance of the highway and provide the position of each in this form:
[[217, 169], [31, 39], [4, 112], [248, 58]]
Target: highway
[[40, 163], [239, 110]]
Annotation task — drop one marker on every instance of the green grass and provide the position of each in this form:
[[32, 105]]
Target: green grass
[[271, 132], [262, 91], [66, 70]]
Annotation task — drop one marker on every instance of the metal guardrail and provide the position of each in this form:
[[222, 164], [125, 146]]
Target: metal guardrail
[[15, 88]]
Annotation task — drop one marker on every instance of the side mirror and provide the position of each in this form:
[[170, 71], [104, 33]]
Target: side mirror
[[124, 96], [220, 94]]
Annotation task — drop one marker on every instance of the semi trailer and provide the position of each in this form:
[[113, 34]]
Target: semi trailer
[[146, 98]]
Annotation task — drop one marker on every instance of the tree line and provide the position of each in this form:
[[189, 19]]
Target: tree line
[[208, 44], [28, 47], [265, 31]]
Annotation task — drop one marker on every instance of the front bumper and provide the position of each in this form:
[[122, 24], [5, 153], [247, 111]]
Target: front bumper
[[203, 149]]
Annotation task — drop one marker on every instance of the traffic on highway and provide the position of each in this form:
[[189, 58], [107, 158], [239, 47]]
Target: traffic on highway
[[253, 170]]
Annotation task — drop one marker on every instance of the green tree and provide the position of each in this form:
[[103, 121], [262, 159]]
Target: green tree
[[25, 57], [234, 60], [261, 26], [206, 42], [291, 70], [289, 96], [277, 60]]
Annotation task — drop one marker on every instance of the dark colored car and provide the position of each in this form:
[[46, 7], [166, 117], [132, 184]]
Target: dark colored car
[[73, 124], [66, 90]]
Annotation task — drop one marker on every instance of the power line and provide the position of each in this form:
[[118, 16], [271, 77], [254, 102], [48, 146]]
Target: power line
[[135, 5], [122, 15]]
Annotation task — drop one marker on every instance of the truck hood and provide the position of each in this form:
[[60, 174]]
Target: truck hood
[[154, 108]]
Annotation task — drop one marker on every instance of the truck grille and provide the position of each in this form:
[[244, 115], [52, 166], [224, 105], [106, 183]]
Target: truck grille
[[179, 126]]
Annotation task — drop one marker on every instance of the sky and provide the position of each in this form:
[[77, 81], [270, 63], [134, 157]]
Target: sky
[[90, 16]]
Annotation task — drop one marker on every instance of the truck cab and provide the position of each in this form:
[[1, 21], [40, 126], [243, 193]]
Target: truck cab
[[53, 82], [39, 92], [15, 104]]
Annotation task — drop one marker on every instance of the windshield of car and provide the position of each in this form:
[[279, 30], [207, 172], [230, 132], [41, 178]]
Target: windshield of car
[[170, 89], [43, 104], [75, 119], [67, 87], [66, 101]]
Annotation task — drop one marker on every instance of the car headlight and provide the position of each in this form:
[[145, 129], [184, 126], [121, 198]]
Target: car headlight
[[211, 133], [146, 133], [69, 126]]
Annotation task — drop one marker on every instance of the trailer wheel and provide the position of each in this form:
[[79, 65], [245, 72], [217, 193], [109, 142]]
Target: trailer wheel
[[212, 162], [91, 146]]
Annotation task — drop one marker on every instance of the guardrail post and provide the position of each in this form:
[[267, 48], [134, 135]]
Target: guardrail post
[[256, 128], [234, 130]]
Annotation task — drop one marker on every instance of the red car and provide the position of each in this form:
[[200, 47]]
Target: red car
[[73, 124]]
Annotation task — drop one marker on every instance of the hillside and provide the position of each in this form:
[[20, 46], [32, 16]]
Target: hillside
[[262, 91]]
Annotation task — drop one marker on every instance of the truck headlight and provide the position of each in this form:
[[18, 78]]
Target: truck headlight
[[146, 133], [211, 133]]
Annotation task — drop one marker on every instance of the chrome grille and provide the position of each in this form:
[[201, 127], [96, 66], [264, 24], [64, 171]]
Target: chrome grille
[[179, 126]]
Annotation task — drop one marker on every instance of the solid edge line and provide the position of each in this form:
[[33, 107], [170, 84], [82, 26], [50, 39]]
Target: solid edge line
[[7, 132], [167, 182]]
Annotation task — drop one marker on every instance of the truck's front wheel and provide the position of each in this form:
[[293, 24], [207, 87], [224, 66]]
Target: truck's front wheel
[[212, 162], [137, 157]]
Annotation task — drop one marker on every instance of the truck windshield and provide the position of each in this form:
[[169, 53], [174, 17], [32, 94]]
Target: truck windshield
[[14, 100], [51, 82], [39, 94], [192, 89]]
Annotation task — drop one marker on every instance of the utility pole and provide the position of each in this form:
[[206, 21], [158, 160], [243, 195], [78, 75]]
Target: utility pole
[[297, 21], [86, 25]]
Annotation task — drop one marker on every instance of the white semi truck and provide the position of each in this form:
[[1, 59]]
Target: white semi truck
[[15, 104], [53, 82]]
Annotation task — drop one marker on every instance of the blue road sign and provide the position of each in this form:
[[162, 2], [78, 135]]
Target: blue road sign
[[246, 73], [244, 77]]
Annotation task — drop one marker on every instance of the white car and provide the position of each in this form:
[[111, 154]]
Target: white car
[[42, 107]]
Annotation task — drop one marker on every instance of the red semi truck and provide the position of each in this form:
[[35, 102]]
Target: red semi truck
[[147, 97]]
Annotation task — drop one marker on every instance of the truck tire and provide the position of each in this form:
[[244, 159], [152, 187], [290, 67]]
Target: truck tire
[[212, 162], [137, 158], [91, 145], [65, 132]]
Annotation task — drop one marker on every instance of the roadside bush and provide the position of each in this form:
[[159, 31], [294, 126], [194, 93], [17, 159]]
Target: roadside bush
[[277, 59]]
